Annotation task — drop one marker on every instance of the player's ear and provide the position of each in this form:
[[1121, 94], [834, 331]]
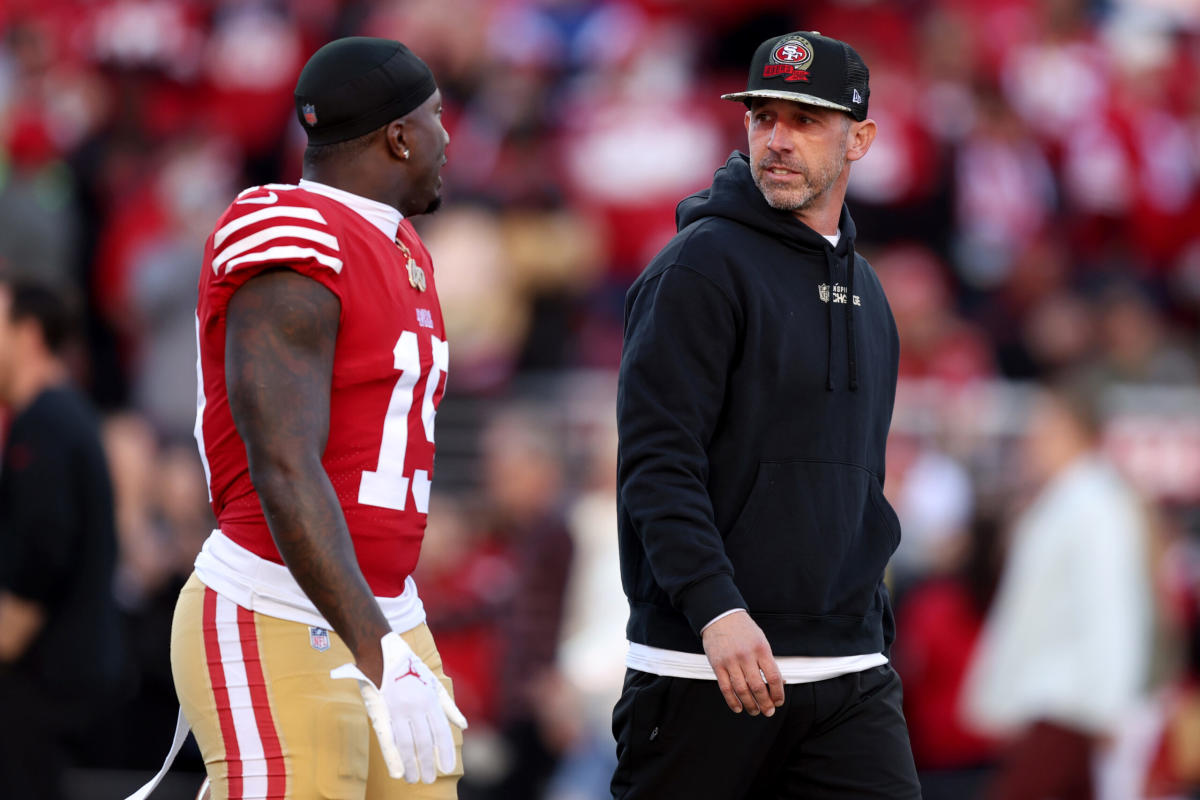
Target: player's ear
[[395, 133]]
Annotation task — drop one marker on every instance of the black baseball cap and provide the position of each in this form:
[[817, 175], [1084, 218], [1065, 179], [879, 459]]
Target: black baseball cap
[[806, 67], [354, 85]]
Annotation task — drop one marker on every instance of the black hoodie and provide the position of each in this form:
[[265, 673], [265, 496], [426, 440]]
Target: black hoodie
[[756, 391]]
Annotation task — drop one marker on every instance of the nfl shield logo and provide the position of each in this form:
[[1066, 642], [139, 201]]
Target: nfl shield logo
[[310, 113], [319, 639]]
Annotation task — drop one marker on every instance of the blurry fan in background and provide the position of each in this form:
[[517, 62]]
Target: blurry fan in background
[[1063, 657], [59, 636], [942, 618], [523, 482]]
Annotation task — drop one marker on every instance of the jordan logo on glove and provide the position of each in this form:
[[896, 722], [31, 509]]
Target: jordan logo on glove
[[411, 672], [411, 720]]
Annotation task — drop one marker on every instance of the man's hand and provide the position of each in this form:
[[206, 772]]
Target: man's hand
[[410, 711], [20, 622], [741, 657]]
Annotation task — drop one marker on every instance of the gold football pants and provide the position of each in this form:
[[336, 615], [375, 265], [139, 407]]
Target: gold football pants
[[270, 722]]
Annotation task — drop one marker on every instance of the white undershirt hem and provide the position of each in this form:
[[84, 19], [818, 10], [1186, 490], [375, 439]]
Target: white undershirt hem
[[720, 616], [795, 669], [256, 584]]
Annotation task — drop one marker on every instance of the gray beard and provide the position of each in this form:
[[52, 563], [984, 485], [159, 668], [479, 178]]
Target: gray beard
[[792, 201], [785, 201], [788, 203]]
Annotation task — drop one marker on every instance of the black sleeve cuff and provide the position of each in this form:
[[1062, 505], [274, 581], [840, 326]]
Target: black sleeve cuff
[[709, 597]]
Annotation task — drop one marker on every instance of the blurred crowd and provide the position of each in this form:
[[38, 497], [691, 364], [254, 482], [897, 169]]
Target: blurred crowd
[[1032, 206]]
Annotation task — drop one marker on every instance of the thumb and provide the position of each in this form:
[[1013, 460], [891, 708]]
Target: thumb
[[452, 713], [379, 715], [349, 671]]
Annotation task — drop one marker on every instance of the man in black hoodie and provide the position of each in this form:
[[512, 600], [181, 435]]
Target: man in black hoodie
[[756, 391]]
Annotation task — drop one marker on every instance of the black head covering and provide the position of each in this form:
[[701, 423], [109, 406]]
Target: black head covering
[[806, 67], [354, 85]]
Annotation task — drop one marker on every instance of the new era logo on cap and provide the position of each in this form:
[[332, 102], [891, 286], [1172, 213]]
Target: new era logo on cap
[[806, 67]]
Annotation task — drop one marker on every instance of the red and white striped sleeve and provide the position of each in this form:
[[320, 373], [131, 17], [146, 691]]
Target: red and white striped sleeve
[[272, 226]]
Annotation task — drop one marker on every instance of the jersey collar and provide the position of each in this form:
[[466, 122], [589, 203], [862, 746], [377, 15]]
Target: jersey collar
[[381, 215]]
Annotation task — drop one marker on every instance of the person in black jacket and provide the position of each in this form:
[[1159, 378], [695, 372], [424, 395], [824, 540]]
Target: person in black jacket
[[60, 650], [756, 391]]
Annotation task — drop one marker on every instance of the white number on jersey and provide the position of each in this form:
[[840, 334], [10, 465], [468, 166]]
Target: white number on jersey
[[386, 486]]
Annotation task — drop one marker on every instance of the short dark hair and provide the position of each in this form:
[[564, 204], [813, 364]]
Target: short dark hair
[[318, 154], [49, 308]]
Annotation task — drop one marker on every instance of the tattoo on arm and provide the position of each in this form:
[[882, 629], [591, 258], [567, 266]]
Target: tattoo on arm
[[281, 330]]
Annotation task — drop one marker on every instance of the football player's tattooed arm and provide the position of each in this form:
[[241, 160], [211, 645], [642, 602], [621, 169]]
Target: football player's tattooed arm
[[280, 333]]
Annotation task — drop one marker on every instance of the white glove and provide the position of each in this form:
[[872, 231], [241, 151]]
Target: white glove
[[411, 713]]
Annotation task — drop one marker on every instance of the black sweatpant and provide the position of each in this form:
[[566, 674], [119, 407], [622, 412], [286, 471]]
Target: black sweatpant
[[839, 738]]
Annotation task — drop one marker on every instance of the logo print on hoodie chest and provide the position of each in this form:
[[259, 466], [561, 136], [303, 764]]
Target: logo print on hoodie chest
[[839, 294]]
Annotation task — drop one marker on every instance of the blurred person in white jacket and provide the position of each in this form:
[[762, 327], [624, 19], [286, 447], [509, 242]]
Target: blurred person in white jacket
[[1065, 652]]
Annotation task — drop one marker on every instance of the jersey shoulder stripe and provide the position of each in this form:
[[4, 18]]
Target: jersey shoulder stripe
[[255, 230], [286, 253], [269, 188], [290, 212], [243, 244], [277, 223]]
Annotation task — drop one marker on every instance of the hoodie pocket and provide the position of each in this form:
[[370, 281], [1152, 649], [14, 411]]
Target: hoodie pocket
[[813, 539]]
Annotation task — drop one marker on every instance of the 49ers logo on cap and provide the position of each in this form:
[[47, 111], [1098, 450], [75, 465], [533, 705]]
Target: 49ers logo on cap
[[790, 60]]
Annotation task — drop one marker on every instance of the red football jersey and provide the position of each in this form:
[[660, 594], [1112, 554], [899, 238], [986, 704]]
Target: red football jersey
[[389, 370]]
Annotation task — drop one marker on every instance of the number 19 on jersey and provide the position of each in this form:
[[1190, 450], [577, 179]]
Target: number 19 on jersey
[[387, 486]]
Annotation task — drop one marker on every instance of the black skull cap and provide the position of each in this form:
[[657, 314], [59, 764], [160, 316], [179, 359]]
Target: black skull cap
[[354, 85]]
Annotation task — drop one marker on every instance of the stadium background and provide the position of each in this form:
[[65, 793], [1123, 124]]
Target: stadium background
[[1031, 205]]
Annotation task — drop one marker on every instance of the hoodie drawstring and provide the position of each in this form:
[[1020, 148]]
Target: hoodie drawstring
[[851, 355], [829, 320], [851, 360]]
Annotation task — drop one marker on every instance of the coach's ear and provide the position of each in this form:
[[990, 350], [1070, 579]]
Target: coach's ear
[[858, 140]]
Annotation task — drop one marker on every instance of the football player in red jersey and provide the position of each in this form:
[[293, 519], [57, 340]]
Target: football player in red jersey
[[322, 360]]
